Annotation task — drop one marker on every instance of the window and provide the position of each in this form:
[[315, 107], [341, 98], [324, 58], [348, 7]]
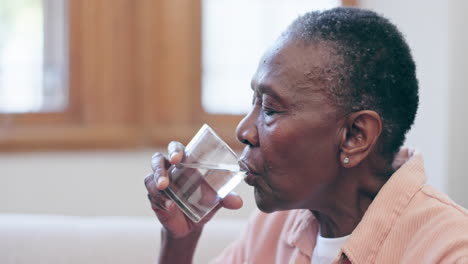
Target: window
[[84, 86], [33, 56], [235, 35]]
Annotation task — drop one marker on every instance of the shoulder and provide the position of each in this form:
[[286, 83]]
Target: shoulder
[[438, 225], [438, 211], [443, 202], [444, 216]]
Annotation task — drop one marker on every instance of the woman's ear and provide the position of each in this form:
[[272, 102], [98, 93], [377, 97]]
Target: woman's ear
[[359, 137]]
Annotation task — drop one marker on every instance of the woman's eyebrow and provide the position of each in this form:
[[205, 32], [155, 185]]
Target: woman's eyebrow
[[262, 88]]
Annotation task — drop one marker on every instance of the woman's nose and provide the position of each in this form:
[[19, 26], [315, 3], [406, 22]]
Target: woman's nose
[[246, 131]]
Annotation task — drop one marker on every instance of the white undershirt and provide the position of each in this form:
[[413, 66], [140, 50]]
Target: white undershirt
[[327, 249]]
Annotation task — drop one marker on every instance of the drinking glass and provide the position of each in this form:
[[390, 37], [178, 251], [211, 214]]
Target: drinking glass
[[207, 173]]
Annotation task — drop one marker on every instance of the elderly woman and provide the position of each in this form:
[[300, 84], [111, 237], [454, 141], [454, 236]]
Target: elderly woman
[[333, 99]]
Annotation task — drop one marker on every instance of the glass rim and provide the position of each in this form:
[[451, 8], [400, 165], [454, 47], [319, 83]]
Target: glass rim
[[223, 143]]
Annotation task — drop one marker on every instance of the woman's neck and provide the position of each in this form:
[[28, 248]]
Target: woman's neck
[[348, 200]]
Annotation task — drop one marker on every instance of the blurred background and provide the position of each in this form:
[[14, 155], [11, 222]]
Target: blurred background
[[90, 89]]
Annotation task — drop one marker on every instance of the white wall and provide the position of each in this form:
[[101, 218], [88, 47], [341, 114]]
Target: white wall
[[457, 183]]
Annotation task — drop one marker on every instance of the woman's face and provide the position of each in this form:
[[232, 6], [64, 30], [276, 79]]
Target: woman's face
[[291, 133]]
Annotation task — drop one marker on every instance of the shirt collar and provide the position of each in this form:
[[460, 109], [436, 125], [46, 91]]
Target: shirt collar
[[303, 234]]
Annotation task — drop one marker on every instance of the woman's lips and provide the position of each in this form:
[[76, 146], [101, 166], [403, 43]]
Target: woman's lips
[[251, 179], [251, 174]]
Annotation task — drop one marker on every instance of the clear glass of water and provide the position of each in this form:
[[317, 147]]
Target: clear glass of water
[[207, 173]]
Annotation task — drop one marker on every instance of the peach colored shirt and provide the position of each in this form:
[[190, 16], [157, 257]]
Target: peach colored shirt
[[408, 222]]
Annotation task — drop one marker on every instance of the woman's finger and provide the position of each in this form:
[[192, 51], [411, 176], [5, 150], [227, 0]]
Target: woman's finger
[[157, 204], [150, 183], [159, 164], [176, 152], [158, 199], [232, 201]]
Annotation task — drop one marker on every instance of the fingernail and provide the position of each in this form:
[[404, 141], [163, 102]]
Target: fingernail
[[173, 154], [168, 204], [160, 180]]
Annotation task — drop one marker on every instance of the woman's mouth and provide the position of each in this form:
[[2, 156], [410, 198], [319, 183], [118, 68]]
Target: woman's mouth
[[251, 179], [251, 174]]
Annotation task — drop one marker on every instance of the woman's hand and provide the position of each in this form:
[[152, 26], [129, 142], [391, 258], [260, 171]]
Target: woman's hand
[[176, 224]]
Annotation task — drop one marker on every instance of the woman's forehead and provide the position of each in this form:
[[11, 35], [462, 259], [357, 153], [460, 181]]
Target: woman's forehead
[[294, 69]]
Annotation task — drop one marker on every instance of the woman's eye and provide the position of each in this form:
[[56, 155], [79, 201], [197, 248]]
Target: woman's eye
[[269, 111]]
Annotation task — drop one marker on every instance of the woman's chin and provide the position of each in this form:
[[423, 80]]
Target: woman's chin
[[264, 203]]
